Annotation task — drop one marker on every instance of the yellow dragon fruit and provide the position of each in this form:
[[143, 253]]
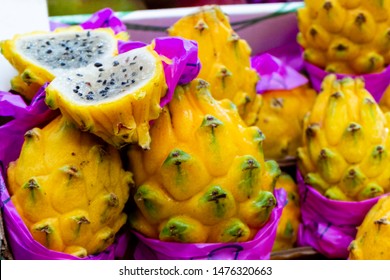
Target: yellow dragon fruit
[[341, 36], [372, 239], [69, 188], [385, 100], [114, 98], [204, 178], [281, 120], [40, 56], [287, 232], [346, 142], [225, 59]]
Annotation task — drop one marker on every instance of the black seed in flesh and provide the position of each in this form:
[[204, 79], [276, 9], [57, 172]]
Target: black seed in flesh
[[62, 64], [104, 82], [132, 63], [79, 75], [124, 70], [99, 81], [132, 81], [115, 63], [135, 57], [101, 69], [88, 34], [140, 68], [98, 64], [75, 91], [133, 74], [89, 97], [49, 51]]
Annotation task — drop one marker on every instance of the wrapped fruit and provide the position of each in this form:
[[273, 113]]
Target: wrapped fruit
[[69, 188], [372, 240], [287, 232], [225, 59], [41, 56], [346, 142], [204, 178], [350, 37], [114, 98]]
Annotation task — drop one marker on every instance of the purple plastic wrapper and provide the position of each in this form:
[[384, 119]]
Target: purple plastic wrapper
[[329, 226], [22, 245], [258, 248], [289, 54], [275, 74], [184, 63], [376, 83], [104, 18]]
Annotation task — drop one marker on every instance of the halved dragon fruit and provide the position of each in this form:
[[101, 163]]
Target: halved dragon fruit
[[114, 98], [40, 56]]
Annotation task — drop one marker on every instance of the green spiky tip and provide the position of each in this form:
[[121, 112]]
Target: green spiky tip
[[176, 157], [176, 229], [211, 121], [234, 231]]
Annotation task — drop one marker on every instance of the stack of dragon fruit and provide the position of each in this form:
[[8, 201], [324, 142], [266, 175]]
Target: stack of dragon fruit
[[179, 143]]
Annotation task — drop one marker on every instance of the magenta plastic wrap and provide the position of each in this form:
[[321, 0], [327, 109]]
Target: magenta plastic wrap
[[258, 248], [104, 18], [22, 245], [184, 63], [328, 225], [376, 83], [275, 74]]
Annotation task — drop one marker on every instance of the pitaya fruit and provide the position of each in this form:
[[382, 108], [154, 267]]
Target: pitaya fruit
[[114, 98], [41, 56], [350, 37], [69, 188], [204, 178], [346, 142], [372, 239], [225, 59]]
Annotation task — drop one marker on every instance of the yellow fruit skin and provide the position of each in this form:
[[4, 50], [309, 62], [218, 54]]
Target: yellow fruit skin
[[385, 101], [118, 122], [281, 120], [350, 37], [287, 232], [204, 173], [69, 188], [372, 238], [346, 143], [225, 59], [31, 76]]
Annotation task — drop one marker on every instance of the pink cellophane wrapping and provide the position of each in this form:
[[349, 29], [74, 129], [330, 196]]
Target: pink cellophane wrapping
[[275, 74], [257, 249], [329, 226], [25, 117], [375, 83]]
